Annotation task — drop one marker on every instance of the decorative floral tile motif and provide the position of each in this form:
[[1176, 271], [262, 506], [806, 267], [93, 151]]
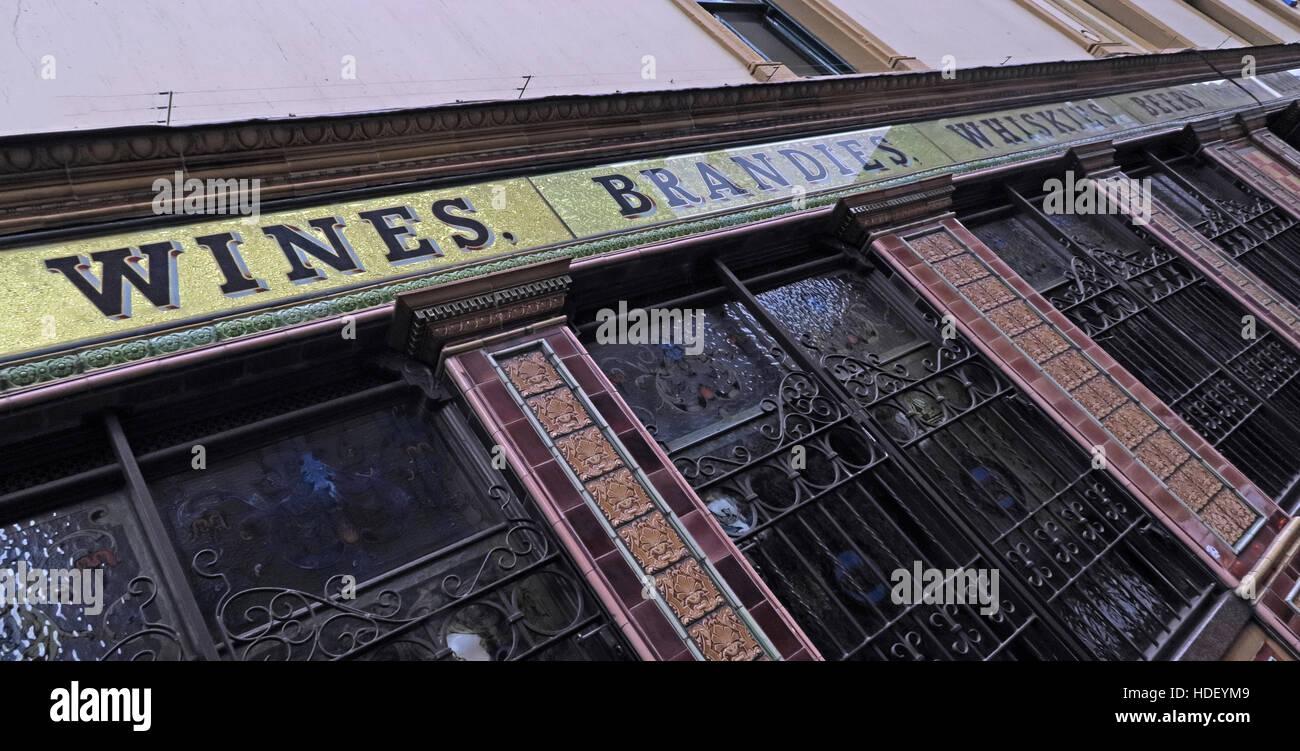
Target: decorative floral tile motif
[[653, 542], [1229, 515], [686, 586], [588, 453], [1130, 424], [1014, 317], [619, 496], [1071, 370], [688, 591], [963, 269], [1152, 443], [1195, 484], [721, 636], [559, 412], [1041, 343], [987, 294], [1162, 454], [937, 246], [531, 374], [1101, 397]]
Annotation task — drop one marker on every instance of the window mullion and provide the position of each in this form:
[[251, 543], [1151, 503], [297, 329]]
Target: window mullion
[[159, 543]]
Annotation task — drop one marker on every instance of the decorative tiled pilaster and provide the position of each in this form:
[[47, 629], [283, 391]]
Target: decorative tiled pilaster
[[1247, 162], [1167, 466], [1254, 294], [1097, 162], [676, 584]]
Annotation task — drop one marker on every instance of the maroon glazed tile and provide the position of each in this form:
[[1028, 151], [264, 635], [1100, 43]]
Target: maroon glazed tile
[[558, 486], [926, 276], [612, 412], [887, 243], [1195, 443], [562, 344], [1029, 372], [1122, 377], [982, 330], [624, 580], [524, 439], [1095, 435], [679, 501], [775, 629], [641, 450], [477, 367], [589, 531], [801, 656], [707, 535], [1036, 300], [1161, 411], [1256, 498], [500, 404], [682, 656], [1005, 350], [958, 307], [584, 372], [1177, 512], [1231, 474], [737, 577], [658, 629], [1068, 410]]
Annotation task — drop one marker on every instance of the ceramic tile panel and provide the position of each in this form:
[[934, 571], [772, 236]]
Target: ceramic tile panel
[[673, 570], [1091, 386]]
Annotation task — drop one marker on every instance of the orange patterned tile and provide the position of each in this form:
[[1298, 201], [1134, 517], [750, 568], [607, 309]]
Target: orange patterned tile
[[722, 637], [620, 496], [1130, 424], [588, 453], [1070, 369], [688, 590], [653, 541], [559, 412], [531, 373]]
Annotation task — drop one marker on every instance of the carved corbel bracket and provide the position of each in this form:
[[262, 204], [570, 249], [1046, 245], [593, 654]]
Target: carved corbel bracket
[[427, 321]]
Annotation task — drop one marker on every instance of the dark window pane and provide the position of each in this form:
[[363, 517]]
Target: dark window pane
[[1043, 265], [447, 562]]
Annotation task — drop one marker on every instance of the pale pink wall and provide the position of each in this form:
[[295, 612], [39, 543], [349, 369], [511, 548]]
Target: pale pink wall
[[240, 59]]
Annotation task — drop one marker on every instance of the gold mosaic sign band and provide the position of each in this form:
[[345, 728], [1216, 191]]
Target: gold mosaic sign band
[[115, 286]]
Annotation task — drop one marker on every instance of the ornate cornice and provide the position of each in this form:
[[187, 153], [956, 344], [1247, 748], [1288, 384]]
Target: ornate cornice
[[69, 179]]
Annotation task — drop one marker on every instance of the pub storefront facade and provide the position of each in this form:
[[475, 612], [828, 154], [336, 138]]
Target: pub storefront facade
[[384, 416]]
